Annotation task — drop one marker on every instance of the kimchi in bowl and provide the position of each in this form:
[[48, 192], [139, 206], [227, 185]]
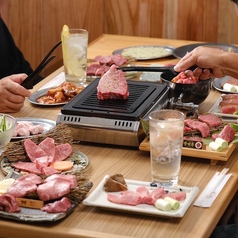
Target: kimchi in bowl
[[194, 93]]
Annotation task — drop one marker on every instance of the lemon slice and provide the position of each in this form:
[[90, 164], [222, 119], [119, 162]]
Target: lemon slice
[[65, 33], [65, 30], [5, 184]]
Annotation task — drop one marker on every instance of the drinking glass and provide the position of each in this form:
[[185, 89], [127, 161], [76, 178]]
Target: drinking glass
[[6, 135], [74, 48], [166, 140]]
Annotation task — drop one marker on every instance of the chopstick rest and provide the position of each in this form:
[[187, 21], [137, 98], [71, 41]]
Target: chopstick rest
[[213, 188]]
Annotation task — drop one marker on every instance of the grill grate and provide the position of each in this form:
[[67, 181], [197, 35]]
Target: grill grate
[[138, 94]]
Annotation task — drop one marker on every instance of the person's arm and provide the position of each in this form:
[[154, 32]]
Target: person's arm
[[12, 93], [211, 62], [229, 64]]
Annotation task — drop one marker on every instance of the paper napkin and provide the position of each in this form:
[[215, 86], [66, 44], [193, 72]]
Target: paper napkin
[[213, 188]]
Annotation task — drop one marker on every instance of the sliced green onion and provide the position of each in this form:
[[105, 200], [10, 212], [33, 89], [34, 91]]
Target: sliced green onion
[[163, 205], [174, 203], [223, 143]]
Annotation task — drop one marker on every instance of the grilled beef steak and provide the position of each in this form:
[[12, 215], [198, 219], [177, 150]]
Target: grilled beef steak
[[113, 85]]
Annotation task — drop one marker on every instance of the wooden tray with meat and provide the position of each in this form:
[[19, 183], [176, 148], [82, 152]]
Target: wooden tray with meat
[[46, 177], [199, 133]]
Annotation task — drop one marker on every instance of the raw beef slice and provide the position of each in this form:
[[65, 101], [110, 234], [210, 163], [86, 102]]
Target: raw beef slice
[[58, 206], [113, 85]]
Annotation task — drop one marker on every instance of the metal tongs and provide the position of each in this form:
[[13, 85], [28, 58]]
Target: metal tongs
[[153, 69], [28, 82]]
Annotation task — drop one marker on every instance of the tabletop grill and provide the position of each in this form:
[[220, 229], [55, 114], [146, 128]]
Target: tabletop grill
[[113, 121]]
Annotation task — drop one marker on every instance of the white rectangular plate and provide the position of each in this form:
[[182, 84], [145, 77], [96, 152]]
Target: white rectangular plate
[[98, 198]]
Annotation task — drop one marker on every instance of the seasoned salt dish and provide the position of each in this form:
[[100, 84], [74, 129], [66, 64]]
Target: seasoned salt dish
[[7, 126]]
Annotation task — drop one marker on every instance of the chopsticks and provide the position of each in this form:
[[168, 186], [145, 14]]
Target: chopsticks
[[149, 69], [154, 69], [28, 82], [213, 188]]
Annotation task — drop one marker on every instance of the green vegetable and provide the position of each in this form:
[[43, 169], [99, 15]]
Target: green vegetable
[[215, 146], [223, 143], [3, 124], [145, 126], [163, 205], [234, 126], [174, 203]]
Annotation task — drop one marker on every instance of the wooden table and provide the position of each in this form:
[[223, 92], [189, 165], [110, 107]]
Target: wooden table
[[133, 164]]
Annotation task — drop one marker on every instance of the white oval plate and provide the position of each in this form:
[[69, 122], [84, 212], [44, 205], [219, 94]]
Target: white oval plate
[[217, 82], [168, 51]]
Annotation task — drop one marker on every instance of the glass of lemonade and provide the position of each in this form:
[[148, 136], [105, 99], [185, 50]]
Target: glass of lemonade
[[74, 46], [166, 140]]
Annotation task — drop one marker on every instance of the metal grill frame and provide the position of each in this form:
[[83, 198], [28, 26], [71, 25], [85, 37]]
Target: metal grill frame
[[146, 100]]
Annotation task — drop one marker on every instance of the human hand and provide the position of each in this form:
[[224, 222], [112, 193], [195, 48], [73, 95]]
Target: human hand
[[207, 59], [12, 93]]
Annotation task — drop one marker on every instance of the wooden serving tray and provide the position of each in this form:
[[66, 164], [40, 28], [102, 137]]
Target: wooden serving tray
[[205, 153]]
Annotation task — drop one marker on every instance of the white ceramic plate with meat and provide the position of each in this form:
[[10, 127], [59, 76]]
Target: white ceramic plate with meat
[[47, 124], [43, 92], [146, 52], [218, 82], [98, 198], [216, 110]]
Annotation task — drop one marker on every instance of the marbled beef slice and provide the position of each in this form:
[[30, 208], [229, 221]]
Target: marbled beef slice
[[200, 126], [210, 119], [113, 85]]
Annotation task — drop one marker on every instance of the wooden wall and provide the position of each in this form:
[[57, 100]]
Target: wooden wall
[[201, 20], [36, 24]]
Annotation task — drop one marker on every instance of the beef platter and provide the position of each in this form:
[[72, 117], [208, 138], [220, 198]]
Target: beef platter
[[35, 178], [204, 128], [228, 104], [98, 66], [209, 126]]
